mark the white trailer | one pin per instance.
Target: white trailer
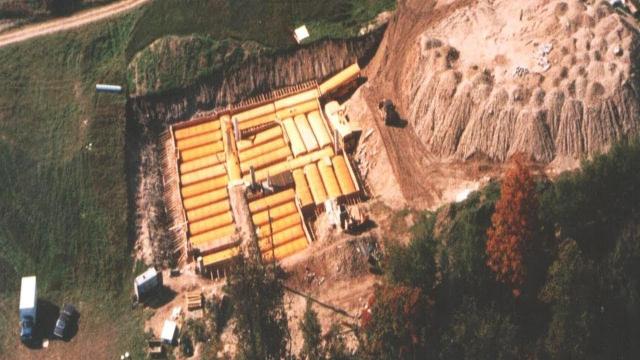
(28, 307)
(147, 282)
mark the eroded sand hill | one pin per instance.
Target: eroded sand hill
(548, 78)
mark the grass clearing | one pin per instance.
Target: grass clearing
(63, 195)
(268, 22)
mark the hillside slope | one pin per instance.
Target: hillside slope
(553, 79)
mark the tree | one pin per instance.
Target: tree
(311, 334)
(413, 264)
(513, 226)
(477, 332)
(571, 290)
(334, 345)
(395, 326)
(261, 322)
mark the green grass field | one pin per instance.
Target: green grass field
(63, 200)
(268, 22)
(63, 186)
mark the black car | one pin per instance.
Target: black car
(67, 315)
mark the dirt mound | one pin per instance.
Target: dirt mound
(552, 79)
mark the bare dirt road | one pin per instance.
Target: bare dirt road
(67, 23)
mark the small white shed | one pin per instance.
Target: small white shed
(169, 332)
(301, 33)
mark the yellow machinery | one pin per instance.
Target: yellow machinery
(204, 186)
(273, 214)
(271, 201)
(280, 238)
(189, 166)
(306, 132)
(210, 210)
(198, 140)
(302, 188)
(329, 178)
(297, 145)
(344, 77)
(206, 198)
(262, 149)
(212, 223)
(203, 174)
(211, 235)
(195, 130)
(260, 138)
(278, 225)
(315, 183)
(201, 151)
(347, 185)
(267, 159)
(319, 129)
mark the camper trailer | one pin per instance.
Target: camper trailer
(147, 283)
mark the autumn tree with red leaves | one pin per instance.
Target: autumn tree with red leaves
(513, 224)
(394, 325)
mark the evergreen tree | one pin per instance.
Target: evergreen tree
(311, 334)
(261, 322)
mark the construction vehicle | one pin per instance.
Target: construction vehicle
(389, 113)
(349, 218)
(156, 350)
(353, 218)
(28, 307)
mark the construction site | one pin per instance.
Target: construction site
(258, 173)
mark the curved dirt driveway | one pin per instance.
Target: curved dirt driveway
(67, 23)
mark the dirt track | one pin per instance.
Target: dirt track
(67, 23)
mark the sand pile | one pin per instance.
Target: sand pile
(492, 78)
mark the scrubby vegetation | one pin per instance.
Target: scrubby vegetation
(580, 296)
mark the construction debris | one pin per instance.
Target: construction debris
(194, 300)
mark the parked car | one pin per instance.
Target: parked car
(67, 316)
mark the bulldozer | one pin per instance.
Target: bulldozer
(389, 113)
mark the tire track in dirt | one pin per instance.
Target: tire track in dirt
(68, 23)
(408, 157)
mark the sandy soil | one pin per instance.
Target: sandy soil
(67, 23)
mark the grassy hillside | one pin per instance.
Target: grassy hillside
(63, 200)
(194, 46)
(268, 22)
